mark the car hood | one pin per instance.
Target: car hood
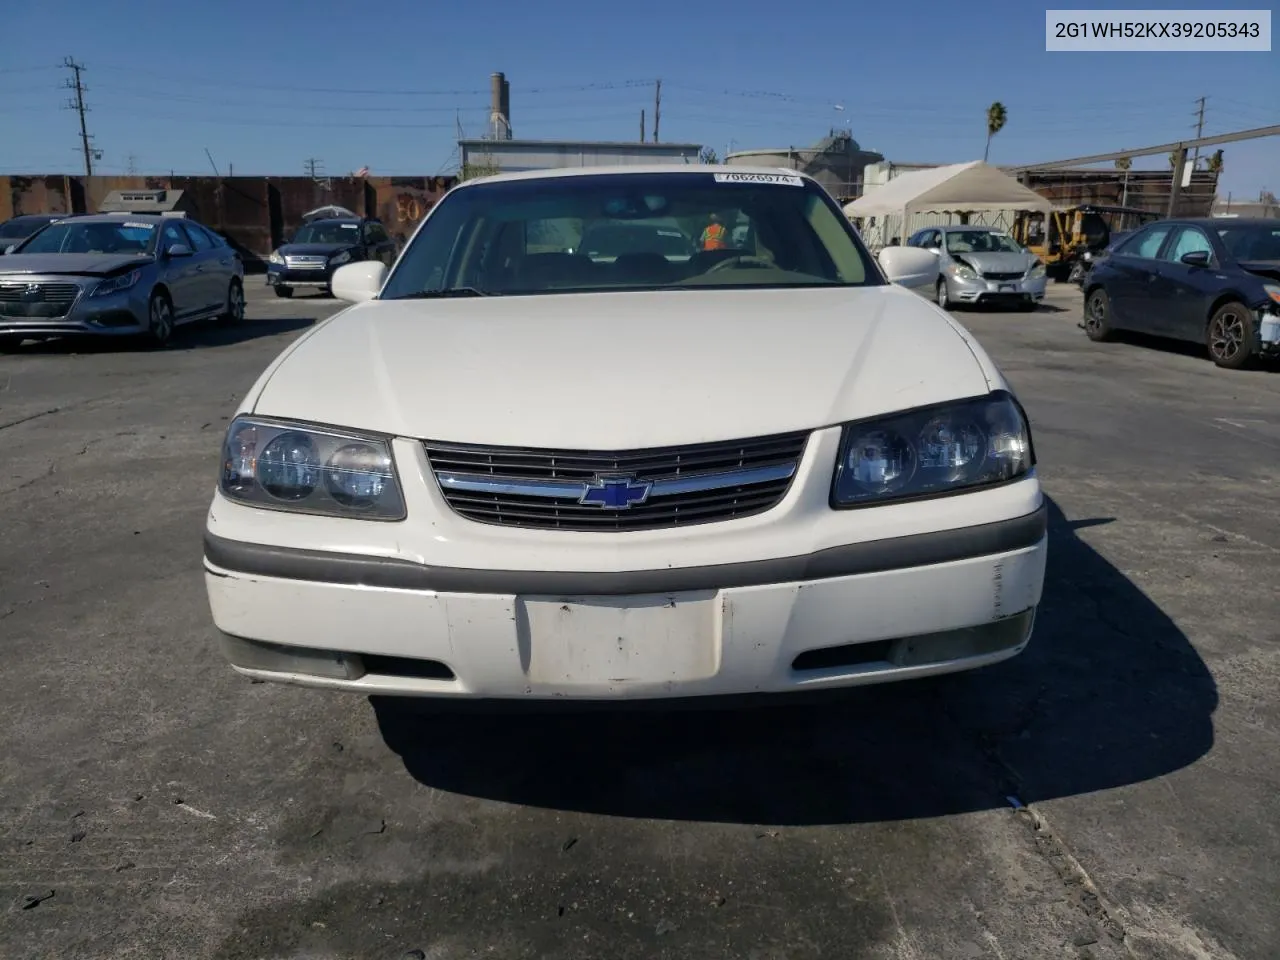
(1262, 268)
(313, 249)
(72, 264)
(997, 262)
(625, 370)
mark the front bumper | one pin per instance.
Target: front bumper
(280, 276)
(983, 290)
(116, 314)
(862, 613)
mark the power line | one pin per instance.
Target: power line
(74, 83)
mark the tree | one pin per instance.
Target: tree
(996, 119)
(1214, 163)
(1173, 159)
(1123, 164)
(708, 155)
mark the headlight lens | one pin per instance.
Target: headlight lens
(1272, 291)
(1037, 269)
(310, 470)
(116, 284)
(275, 257)
(342, 257)
(933, 451)
(962, 271)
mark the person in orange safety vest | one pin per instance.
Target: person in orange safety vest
(713, 238)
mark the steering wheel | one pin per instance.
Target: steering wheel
(737, 263)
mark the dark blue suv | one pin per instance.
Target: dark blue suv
(321, 246)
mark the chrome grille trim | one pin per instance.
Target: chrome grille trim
(1002, 276)
(51, 299)
(674, 486)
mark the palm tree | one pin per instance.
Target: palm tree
(708, 155)
(1214, 163)
(996, 117)
(1123, 164)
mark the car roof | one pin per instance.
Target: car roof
(312, 223)
(966, 227)
(645, 169)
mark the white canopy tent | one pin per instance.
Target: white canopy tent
(974, 187)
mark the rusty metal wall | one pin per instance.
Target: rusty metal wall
(255, 214)
(1146, 189)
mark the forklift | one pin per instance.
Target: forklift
(1061, 238)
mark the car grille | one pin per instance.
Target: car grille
(38, 300)
(305, 262)
(681, 486)
(1002, 276)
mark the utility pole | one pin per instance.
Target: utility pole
(642, 126)
(1195, 156)
(657, 108)
(132, 165)
(312, 166)
(73, 83)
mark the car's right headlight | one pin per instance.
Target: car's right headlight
(932, 452)
(1272, 291)
(275, 257)
(962, 271)
(305, 469)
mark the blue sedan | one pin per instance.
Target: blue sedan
(1211, 281)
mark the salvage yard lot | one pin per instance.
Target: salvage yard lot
(163, 806)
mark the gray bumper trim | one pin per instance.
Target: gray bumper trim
(920, 550)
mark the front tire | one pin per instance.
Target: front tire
(942, 295)
(1231, 336)
(159, 319)
(285, 292)
(1097, 316)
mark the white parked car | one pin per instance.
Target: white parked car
(514, 471)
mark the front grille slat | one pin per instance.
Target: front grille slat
(37, 299)
(660, 511)
(1002, 276)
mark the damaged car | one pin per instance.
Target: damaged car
(982, 266)
(1212, 281)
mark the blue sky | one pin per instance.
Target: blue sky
(264, 91)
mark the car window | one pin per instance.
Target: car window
(172, 233)
(1252, 242)
(199, 239)
(327, 232)
(635, 231)
(1188, 240)
(19, 228)
(78, 236)
(1145, 244)
(376, 234)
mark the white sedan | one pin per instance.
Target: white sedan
(513, 470)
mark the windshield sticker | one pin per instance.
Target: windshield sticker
(349, 226)
(782, 178)
(140, 226)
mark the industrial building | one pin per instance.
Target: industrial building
(500, 152)
(836, 161)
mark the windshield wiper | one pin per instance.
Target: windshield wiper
(442, 294)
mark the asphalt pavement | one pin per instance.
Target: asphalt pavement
(1113, 792)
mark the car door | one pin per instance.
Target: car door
(1185, 291)
(179, 274)
(210, 292)
(1134, 275)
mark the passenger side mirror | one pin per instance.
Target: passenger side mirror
(1196, 258)
(359, 281)
(176, 250)
(10, 248)
(910, 267)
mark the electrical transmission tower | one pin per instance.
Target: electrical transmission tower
(77, 104)
(1195, 158)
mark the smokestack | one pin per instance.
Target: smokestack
(496, 83)
(506, 105)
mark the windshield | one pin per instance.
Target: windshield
(981, 241)
(120, 236)
(1252, 242)
(326, 232)
(632, 231)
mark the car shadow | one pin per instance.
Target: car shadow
(186, 337)
(1109, 692)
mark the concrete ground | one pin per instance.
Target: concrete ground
(1111, 793)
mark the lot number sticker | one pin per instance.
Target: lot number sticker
(781, 178)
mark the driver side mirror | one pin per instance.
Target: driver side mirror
(910, 267)
(177, 250)
(359, 281)
(1196, 258)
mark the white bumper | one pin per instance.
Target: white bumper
(442, 606)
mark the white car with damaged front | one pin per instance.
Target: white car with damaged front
(511, 471)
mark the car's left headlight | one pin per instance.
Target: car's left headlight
(342, 257)
(1036, 271)
(933, 451)
(116, 284)
(305, 469)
